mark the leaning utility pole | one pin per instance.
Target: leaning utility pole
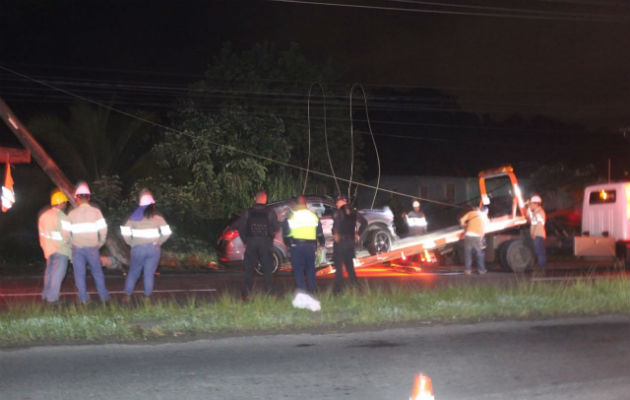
(117, 251)
(37, 151)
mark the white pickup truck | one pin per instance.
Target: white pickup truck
(605, 222)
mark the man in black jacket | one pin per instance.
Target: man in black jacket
(257, 227)
(346, 235)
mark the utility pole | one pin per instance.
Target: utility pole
(626, 134)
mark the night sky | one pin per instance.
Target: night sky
(566, 60)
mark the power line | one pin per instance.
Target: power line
(225, 146)
(542, 16)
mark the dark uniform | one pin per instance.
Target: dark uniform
(344, 230)
(257, 228)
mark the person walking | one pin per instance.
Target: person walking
(474, 223)
(86, 233)
(145, 231)
(257, 228)
(302, 233)
(416, 221)
(56, 250)
(346, 235)
(537, 218)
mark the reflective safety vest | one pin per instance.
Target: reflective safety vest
(303, 224)
(8, 198)
(87, 227)
(416, 220)
(537, 220)
(50, 226)
(148, 230)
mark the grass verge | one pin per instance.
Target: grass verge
(370, 307)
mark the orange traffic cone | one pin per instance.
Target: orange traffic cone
(422, 388)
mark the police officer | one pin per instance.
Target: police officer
(416, 221)
(302, 231)
(257, 227)
(346, 235)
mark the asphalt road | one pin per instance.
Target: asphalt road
(585, 358)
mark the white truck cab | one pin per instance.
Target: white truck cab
(605, 221)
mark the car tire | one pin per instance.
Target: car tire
(276, 256)
(378, 241)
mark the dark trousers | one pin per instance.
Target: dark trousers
(539, 249)
(343, 254)
(258, 250)
(303, 263)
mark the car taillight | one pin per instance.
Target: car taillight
(229, 235)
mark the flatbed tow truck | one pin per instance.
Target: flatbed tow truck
(503, 240)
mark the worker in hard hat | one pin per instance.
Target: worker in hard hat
(86, 233)
(537, 218)
(145, 231)
(475, 223)
(56, 250)
(416, 221)
(302, 232)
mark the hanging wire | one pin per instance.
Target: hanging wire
(367, 118)
(332, 169)
(215, 143)
(351, 143)
(308, 130)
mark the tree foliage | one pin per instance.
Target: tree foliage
(240, 128)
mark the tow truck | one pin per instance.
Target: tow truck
(504, 241)
(605, 229)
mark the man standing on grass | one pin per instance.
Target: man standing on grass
(56, 249)
(346, 236)
(87, 233)
(302, 233)
(257, 227)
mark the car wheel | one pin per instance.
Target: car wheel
(379, 241)
(276, 258)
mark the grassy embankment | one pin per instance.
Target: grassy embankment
(372, 307)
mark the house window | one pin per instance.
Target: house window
(449, 192)
(423, 192)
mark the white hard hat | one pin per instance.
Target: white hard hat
(416, 203)
(82, 188)
(146, 198)
(536, 199)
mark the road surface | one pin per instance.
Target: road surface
(572, 359)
